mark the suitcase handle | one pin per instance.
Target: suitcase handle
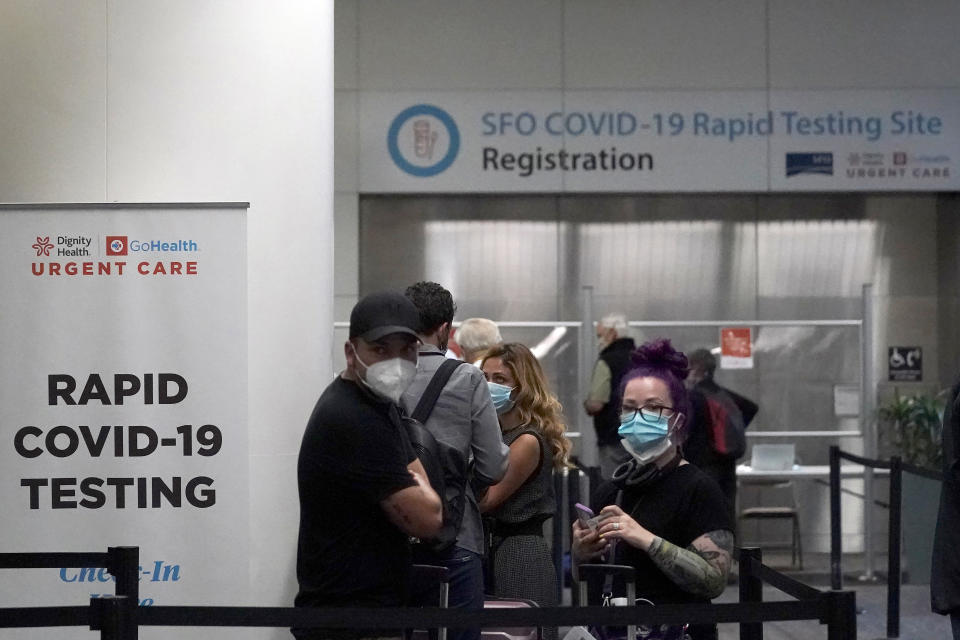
(430, 573)
(610, 571)
(616, 570)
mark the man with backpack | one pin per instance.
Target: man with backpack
(717, 431)
(452, 400)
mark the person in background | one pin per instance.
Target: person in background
(700, 448)
(464, 422)
(454, 352)
(668, 517)
(475, 336)
(602, 402)
(363, 492)
(703, 366)
(945, 576)
(531, 420)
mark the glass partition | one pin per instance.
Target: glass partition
(805, 376)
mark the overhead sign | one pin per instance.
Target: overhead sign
(123, 398)
(905, 364)
(635, 141)
(736, 348)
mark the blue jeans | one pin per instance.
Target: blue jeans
(465, 570)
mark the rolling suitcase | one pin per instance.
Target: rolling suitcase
(426, 577)
(508, 633)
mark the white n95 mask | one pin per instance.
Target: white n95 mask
(388, 378)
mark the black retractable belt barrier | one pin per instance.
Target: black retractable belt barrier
(400, 617)
(896, 467)
(118, 617)
(32, 617)
(52, 560)
(836, 550)
(122, 562)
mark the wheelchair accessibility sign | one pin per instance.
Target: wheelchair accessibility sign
(905, 364)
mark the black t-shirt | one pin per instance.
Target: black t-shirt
(678, 507)
(354, 454)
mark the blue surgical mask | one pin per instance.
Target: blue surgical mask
(641, 433)
(500, 393)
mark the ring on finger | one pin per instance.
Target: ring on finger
(616, 526)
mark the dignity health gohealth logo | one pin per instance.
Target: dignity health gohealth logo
(423, 140)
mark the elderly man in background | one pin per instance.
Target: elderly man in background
(476, 336)
(603, 401)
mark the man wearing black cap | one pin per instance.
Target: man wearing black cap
(363, 492)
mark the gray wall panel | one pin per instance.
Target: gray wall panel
(691, 257)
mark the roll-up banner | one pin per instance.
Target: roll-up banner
(674, 141)
(123, 398)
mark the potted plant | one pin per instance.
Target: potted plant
(910, 427)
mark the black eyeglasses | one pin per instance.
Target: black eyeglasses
(649, 413)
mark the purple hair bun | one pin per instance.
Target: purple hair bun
(660, 355)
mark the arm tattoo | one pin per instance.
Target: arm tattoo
(400, 514)
(724, 541)
(722, 538)
(697, 571)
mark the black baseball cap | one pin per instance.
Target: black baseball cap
(380, 314)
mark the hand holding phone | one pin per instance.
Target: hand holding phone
(584, 514)
(587, 518)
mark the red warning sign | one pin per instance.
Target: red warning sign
(736, 348)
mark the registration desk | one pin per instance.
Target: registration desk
(746, 473)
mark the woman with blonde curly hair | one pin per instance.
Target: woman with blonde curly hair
(531, 420)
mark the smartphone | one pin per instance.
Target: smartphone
(584, 513)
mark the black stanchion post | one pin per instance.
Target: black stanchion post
(124, 565)
(751, 590)
(893, 548)
(557, 527)
(573, 497)
(841, 615)
(596, 479)
(110, 616)
(836, 568)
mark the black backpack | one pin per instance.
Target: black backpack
(446, 467)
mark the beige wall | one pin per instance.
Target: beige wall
(199, 100)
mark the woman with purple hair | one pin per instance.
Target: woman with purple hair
(670, 518)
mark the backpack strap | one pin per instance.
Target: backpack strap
(432, 392)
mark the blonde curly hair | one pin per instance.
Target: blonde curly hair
(538, 407)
